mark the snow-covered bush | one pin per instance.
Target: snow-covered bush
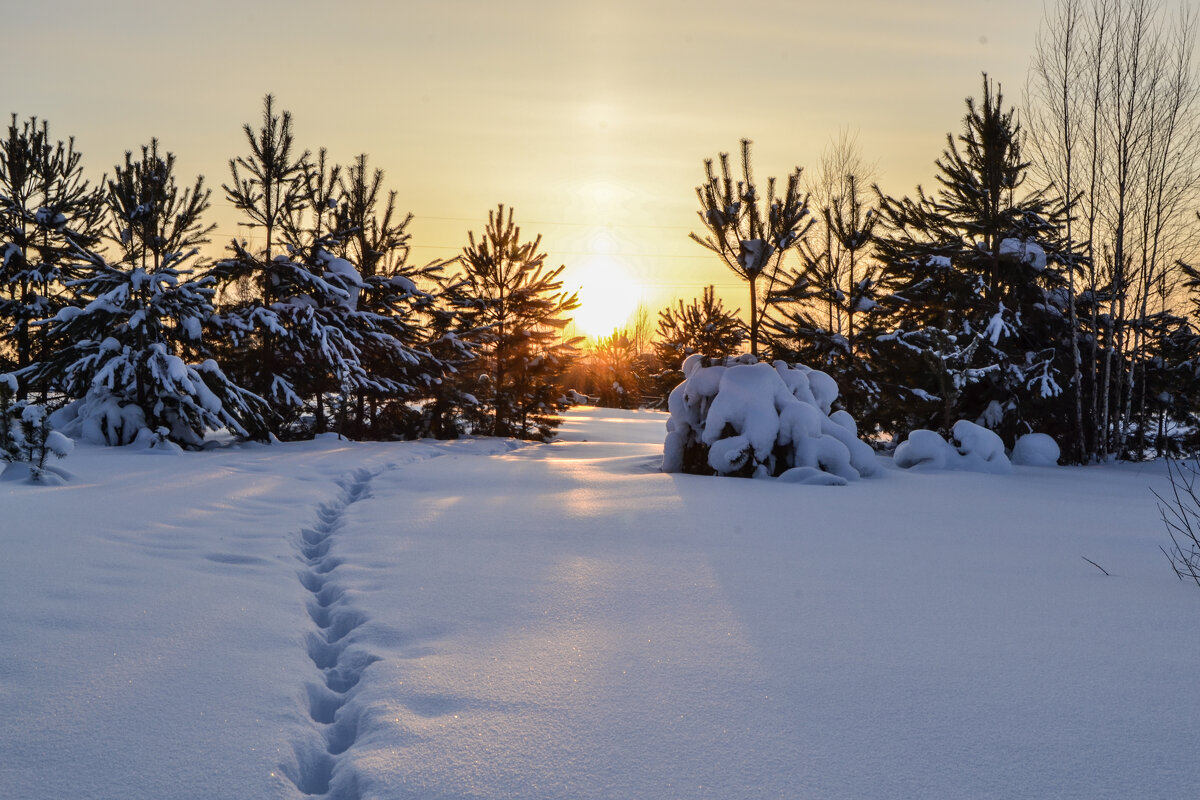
(1036, 450)
(974, 448)
(744, 418)
(27, 439)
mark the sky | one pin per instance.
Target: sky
(591, 119)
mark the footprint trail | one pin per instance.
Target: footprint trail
(331, 648)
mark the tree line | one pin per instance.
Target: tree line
(114, 321)
(1044, 284)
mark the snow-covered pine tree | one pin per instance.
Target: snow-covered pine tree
(44, 205)
(399, 299)
(1170, 423)
(453, 333)
(972, 322)
(519, 311)
(122, 349)
(1173, 379)
(267, 186)
(9, 413)
(306, 328)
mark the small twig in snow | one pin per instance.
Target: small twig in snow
(1094, 564)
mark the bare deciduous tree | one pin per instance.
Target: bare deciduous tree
(1114, 98)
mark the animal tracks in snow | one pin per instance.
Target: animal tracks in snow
(334, 643)
(331, 647)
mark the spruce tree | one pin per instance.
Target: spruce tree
(972, 300)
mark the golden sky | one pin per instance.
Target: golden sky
(591, 119)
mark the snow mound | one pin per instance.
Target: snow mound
(924, 450)
(24, 472)
(741, 417)
(1036, 450)
(974, 449)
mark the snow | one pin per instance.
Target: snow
(58, 444)
(981, 449)
(486, 620)
(1035, 450)
(1030, 253)
(754, 254)
(345, 275)
(924, 450)
(760, 420)
(192, 328)
(975, 449)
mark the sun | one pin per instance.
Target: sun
(608, 296)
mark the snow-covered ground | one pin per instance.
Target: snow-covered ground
(476, 619)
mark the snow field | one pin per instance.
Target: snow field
(465, 619)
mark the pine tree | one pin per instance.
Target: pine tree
(318, 334)
(122, 349)
(750, 234)
(267, 186)
(26, 437)
(817, 321)
(401, 299)
(617, 374)
(45, 205)
(454, 335)
(972, 323)
(518, 307)
(702, 326)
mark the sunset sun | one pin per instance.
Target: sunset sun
(607, 297)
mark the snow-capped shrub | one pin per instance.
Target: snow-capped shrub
(27, 439)
(186, 400)
(974, 448)
(1036, 450)
(982, 450)
(100, 418)
(741, 417)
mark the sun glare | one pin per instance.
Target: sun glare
(608, 296)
